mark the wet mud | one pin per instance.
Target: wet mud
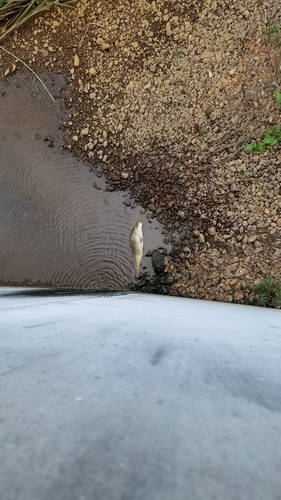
(59, 225)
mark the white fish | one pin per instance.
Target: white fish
(136, 243)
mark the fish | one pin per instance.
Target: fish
(136, 244)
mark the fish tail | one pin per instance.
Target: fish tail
(137, 262)
(137, 272)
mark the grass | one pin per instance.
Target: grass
(278, 98)
(15, 13)
(268, 293)
(273, 31)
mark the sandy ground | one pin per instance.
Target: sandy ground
(161, 97)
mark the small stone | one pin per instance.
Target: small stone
(277, 253)
(124, 175)
(84, 131)
(135, 45)
(278, 222)
(252, 238)
(181, 214)
(169, 280)
(201, 238)
(233, 188)
(75, 138)
(211, 231)
(151, 207)
(99, 41)
(76, 60)
(92, 71)
(105, 46)
(207, 54)
(240, 272)
(168, 29)
(159, 261)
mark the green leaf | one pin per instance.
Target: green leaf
(249, 147)
(278, 97)
(270, 141)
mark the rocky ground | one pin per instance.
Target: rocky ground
(162, 97)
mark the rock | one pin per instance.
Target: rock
(169, 280)
(84, 131)
(124, 175)
(277, 253)
(181, 214)
(207, 54)
(92, 71)
(168, 29)
(151, 207)
(240, 272)
(76, 60)
(252, 238)
(75, 138)
(159, 261)
(211, 231)
(201, 238)
(105, 46)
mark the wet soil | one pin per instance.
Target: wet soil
(59, 226)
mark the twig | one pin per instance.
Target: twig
(30, 69)
(83, 37)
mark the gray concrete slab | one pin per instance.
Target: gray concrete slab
(138, 397)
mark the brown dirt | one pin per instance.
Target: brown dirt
(163, 95)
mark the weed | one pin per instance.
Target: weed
(270, 137)
(177, 52)
(273, 31)
(278, 98)
(268, 293)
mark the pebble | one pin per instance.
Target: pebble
(76, 60)
(151, 207)
(252, 238)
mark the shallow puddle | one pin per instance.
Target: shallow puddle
(59, 226)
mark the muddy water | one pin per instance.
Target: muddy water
(59, 226)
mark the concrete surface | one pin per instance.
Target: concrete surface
(138, 397)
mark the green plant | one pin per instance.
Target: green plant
(278, 98)
(268, 293)
(273, 31)
(14, 13)
(270, 137)
(177, 52)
